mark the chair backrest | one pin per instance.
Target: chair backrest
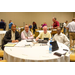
(3, 60)
(1, 29)
(1, 53)
(36, 34)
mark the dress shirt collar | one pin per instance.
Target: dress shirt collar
(59, 34)
(27, 32)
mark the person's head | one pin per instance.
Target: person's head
(34, 23)
(66, 22)
(73, 19)
(29, 24)
(44, 22)
(58, 30)
(10, 21)
(53, 19)
(13, 27)
(1, 19)
(26, 28)
(45, 29)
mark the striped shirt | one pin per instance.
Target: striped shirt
(71, 26)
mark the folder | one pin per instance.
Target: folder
(9, 45)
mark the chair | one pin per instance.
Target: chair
(36, 30)
(62, 30)
(1, 54)
(21, 30)
(53, 32)
(36, 34)
(32, 31)
(1, 29)
(3, 60)
(72, 57)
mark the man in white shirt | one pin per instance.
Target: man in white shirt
(71, 28)
(60, 37)
(26, 34)
(64, 26)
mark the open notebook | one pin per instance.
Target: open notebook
(10, 45)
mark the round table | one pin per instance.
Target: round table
(2, 33)
(34, 53)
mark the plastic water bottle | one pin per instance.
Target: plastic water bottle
(50, 48)
(51, 40)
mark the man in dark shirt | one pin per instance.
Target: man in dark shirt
(55, 23)
(2, 24)
(34, 27)
(11, 36)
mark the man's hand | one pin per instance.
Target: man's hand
(16, 40)
(37, 38)
(13, 41)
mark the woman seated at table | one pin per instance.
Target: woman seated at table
(44, 34)
(26, 34)
(11, 36)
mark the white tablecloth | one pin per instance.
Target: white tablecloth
(35, 53)
(42, 31)
(2, 33)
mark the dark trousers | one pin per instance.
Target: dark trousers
(33, 31)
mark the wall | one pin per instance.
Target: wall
(21, 18)
(74, 14)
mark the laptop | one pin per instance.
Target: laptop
(43, 41)
(46, 39)
(54, 46)
(29, 40)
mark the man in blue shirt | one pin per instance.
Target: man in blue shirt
(10, 24)
(30, 26)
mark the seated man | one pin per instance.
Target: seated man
(26, 34)
(44, 34)
(60, 37)
(11, 36)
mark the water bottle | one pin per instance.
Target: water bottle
(51, 40)
(50, 48)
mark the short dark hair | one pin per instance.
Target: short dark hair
(13, 24)
(1, 19)
(73, 19)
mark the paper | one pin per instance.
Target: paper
(61, 52)
(10, 45)
(23, 43)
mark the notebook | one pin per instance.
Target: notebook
(9, 45)
(59, 52)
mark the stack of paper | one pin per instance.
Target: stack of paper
(9, 45)
(23, 43)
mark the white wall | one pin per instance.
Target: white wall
(39, 17)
